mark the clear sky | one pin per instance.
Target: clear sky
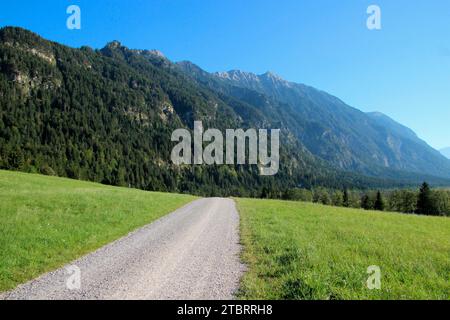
(402, 70)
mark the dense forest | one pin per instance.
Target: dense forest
(107, 116)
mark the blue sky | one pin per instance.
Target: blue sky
(402, 70)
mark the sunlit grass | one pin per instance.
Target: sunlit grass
(305, 251)
(46, 222)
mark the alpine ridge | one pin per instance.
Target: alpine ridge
(347, 138)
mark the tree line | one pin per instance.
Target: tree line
(424, 201)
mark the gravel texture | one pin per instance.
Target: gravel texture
(192, 253)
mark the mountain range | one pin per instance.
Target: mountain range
(370, 143)
(107, 115)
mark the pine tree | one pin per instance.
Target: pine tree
(425, 203)
(379, 202)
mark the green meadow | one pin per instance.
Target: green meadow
(293, 250)
(297, 250)
(46, 222)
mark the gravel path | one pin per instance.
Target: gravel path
(192, 253)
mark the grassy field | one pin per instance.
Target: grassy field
(307, 251)
(46, 222)
(293, 250)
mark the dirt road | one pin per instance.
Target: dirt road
(192, 253)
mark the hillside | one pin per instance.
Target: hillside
(349, 139)
(107, 116)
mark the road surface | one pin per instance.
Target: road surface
(192, 253)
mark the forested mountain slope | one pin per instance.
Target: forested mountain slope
(107, 116)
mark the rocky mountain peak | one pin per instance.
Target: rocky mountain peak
(155, 53)
(114, 44)
(238, 75)
(272, 75)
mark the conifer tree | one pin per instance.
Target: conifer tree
(379, 202)
(425, 203)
